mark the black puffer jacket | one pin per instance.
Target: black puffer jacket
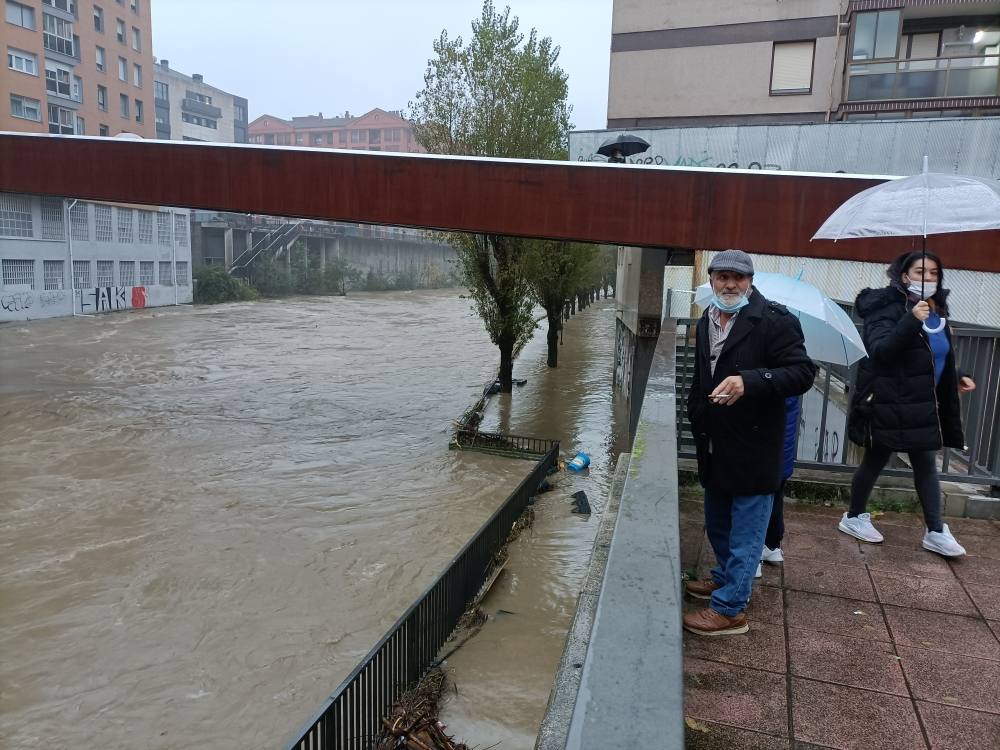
(895, 404)
(764, 346)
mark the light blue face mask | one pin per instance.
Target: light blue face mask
(730, 308)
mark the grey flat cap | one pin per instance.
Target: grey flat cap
(736, 261)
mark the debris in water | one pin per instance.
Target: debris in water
(580, 462)
(580, 503)
(413, 723)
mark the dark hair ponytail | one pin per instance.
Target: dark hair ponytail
(905, 262)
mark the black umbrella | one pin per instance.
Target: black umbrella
(622, 145)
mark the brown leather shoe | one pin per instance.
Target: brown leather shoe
(710, 622)
(701, 589)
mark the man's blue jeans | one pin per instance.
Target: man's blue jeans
(736, 525)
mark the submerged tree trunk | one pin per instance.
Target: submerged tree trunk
(506, 374)
(552, 336)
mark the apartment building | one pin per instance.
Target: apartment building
(377, 130)
(77, 68)
(188, 109)
(693, 63)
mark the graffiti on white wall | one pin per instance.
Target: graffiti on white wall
(17, 301)
(112, 298)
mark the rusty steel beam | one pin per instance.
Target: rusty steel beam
(645, 206)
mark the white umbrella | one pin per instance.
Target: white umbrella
(927, 203)
(830, 334)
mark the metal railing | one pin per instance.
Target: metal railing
(923, 78)
(503, 444)
(280, 235)
(352, 717)
(822, 441)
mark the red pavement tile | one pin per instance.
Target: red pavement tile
(828, 614)
(987, 598)
(830, 547)
(995, 627)
(922, 593)
(854, 662)
(737, 696)
(891, 518)
(707, 735)
(848, 581)
(980, 545)
(936, 631)
(899, 536)
(976, 569)
(914, 562)
(766, 605)
(771, 575)
(844, 717)
(950, 728)
(954, 680)
(807, 523)
(761, 648)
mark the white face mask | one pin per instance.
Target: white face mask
(924, 290)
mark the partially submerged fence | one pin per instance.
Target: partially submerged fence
(353, 715)
(502, 444)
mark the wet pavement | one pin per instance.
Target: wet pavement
(853, 645)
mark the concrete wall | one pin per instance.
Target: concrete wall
(47, 240)
(645, 15)
(390, 258)
(179, 84)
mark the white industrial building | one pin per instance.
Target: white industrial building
(69, 257)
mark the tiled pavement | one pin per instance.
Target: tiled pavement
(853, 645)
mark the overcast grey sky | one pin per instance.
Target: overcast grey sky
(298, 57)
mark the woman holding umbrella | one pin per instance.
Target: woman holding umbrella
(906, 398)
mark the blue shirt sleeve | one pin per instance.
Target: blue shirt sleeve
(939, 345)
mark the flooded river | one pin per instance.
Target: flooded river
(211, 514)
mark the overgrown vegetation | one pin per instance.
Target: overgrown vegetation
(213, 285)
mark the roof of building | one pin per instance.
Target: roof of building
(318, 121)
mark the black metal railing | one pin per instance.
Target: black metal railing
(503, 444)
(352, 717)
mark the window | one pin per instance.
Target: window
(160, 90)
(22, 62)
(20, 15)
(52, 219)
(77, 88)
(120, 30)
(122, 69)
(79, 222)
(102, 99)
(146, 273)
(203, 98)
(126, 273)
(343, 136)
(98, 19)
(136, 39)
(67, 6)
(81, 274)
(81, 126)
(102, 61)
(182, 273)
(57, 34)
(57, 79)
(375, 136)
(329, 139)
(15, 216)
(53, 274)
(166, 275)
(135, 6)
(104, 130)
(317, 139)
(146, 227)
(876, 34)
(137, 74)
(138, 111)
(61, 120)
(123, 108)
(105, 273)
(102, 222)
(125, 225)
(240, 113)
(180, 229)
(204, 122)
(393, 135)
(25, 108)
(163, 228)
(19, 273)
(792, 67)
(356, 136)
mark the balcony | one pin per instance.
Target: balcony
(924, 78)
(200, 108)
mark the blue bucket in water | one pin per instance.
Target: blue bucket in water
(580, 462)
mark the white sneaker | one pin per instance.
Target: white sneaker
(943, 543)
(759, 573)
(860, 528)
(772, 555)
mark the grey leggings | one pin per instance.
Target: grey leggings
(925, 478)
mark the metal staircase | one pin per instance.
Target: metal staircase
(277, 238)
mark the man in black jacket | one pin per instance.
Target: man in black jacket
(750, 356)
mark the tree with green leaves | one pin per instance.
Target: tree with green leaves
(556, 271)
(501, 95)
